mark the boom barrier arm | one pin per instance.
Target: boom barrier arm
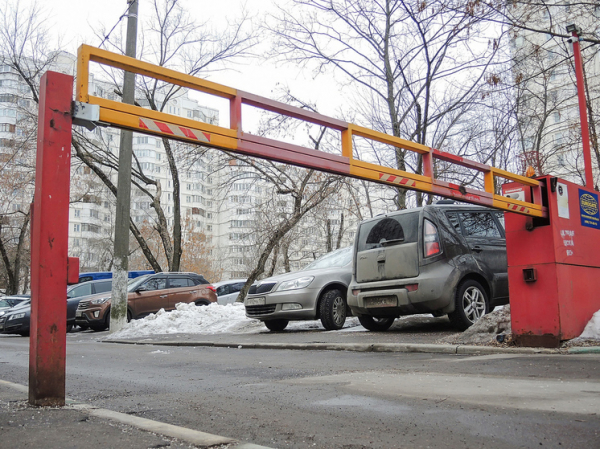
(142, 120)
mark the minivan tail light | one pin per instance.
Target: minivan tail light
(431, 239)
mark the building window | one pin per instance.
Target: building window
(8, 113)
(76, 228)
(86, 227)
(556, 117)
(77, 213)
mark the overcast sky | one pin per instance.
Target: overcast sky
(75, 20)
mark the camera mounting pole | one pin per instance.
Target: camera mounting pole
(585, 130)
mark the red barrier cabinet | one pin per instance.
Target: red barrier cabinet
(553, 264)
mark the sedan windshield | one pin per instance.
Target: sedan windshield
(335, 259)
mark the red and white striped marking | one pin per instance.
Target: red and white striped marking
(174, 130)
(516, 208)
(397, 180)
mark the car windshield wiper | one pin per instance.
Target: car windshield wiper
(391, 242)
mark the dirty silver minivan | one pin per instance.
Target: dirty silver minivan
(443, 258)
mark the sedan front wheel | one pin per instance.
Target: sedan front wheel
(333, 310)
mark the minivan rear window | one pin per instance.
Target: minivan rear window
(390, 230)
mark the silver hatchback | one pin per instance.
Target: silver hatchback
(316, 292)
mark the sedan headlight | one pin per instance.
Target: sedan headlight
(2, 312)
(100, 300)
(16, 316)
(295, 284)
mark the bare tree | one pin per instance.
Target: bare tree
(524, 15)
(542, 79)
(410, 63)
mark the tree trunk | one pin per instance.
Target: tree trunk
(340, 232)
(273, 261)
(329, 243)
(175, 261)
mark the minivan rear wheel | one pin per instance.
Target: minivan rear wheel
(333, 310)
(375, 324)
(276, 325)
(471, 303)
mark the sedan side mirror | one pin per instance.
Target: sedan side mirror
(141, 289)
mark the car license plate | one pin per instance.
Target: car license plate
(260, 301)
(78, 313)
(381, 301)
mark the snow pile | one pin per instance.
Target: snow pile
(191, 319)
(485, 330)
(592, 329)
(207, 320)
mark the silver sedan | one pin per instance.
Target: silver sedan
(316, 292)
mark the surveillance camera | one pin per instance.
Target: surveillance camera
(573, 29)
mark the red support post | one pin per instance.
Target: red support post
(50, 237)
(585, 130)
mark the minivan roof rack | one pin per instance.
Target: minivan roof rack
(445, 202)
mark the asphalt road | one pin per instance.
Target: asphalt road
(328, 399)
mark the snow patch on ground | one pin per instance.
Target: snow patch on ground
(485, 330)
(592, 329)
(207, 320)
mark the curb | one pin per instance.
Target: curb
(195, 437)
(584, 350)
(365, 347)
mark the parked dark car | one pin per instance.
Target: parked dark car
(6, 302)
(16, 319)
(147, 294)
(443, 258)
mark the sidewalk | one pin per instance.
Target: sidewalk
(79, 425)
(342, 341)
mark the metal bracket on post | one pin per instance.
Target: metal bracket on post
(86, 115)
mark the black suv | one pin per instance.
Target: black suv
(443, 258)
